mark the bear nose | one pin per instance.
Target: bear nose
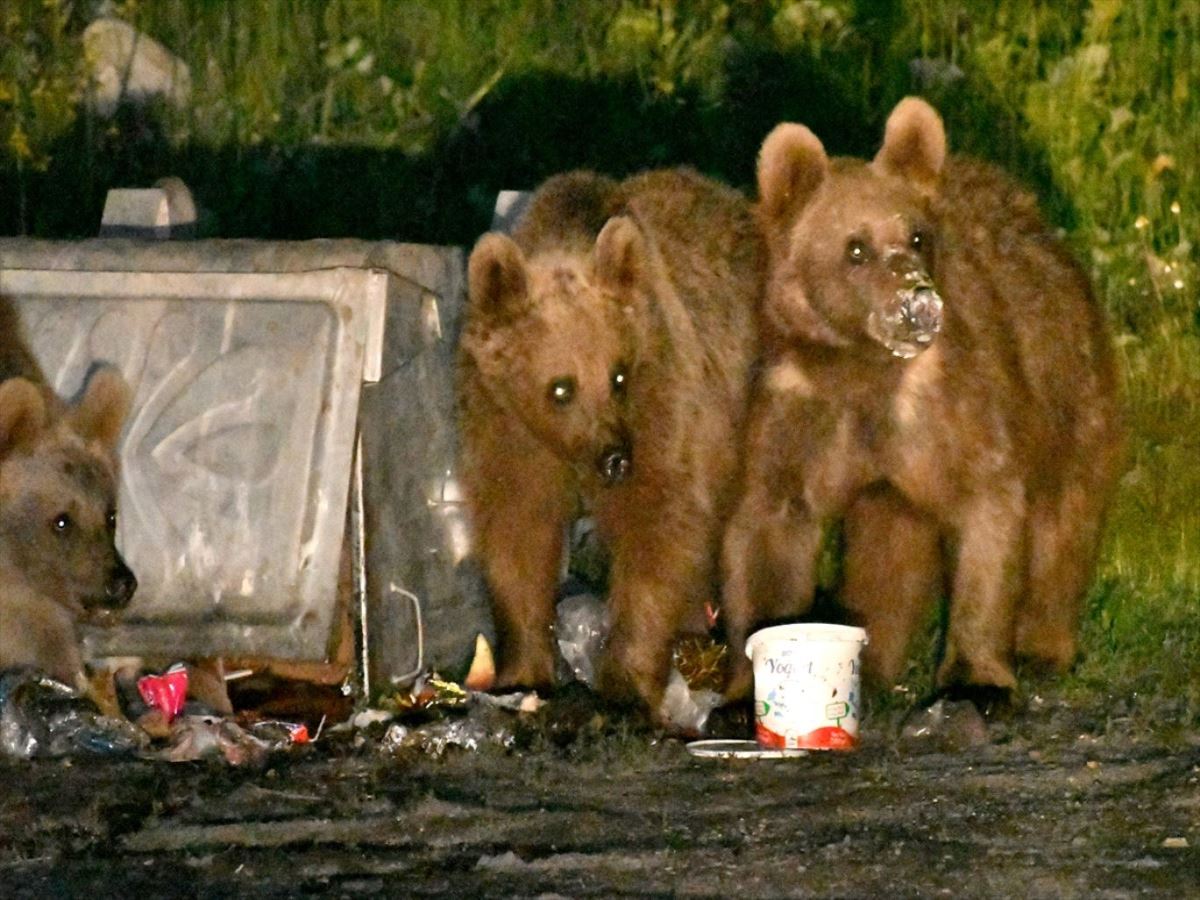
(922, 311)
(122, 584)
(615, 463)
(905, 264)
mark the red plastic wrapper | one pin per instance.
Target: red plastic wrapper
(293, 732)
(167, 691)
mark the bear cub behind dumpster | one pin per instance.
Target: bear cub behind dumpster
(604, 367)
(939, 376)
(58, 488)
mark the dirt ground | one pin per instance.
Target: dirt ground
(1059, 801)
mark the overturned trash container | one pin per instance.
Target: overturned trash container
(288, 486)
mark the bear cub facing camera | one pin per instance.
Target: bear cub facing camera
(939, 378)
(603, 367)
(58, 488)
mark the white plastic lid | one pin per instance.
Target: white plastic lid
(806, 631)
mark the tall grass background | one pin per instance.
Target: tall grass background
(402, 118)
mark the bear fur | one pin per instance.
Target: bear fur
(604, 368)
(58, 488)
(16, 359)
(939, 377)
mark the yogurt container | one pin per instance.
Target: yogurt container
(807, 686)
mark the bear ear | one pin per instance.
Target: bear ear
(621, 257)
(496, 277)
(100, 415)
(914, 144)
(22, 413)
(791, 166)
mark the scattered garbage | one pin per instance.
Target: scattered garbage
(279, 733)
(436, 714)
(687, 710)
(693, 690)
(152, 717)
(428, 693)
(165, 692)
(580, 628)
(42, 717)
(467, 733)
(152, 700)
(945, 726)
(209, 737)
(701, 662)
(196, 711)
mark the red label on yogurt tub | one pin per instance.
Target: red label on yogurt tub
(829, 738)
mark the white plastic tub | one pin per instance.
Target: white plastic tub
(806, 686)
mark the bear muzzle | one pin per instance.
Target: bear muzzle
(615, 463)
(120, 587)
(909, 323)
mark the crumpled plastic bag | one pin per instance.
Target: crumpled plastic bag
(211, 737)
(581, 628)
(434, 738)
(687, 710)
(42, 717)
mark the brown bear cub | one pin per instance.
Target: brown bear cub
(604, 366)
(939, 377)
(58, 488)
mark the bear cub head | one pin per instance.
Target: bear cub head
(556, 339)
(58, 494)
(854, 243)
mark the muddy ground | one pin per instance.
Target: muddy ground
(1062, 800)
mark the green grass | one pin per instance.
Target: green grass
(414, 112)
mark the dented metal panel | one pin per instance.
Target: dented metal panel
(425, 601)
(237, 455)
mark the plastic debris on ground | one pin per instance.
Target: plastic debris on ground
(684, 709)
(693, 690)
(467, 733)
(187, 711)
(436, 714)
(278, 732)
(209, 737)
(155, 700)
(165, 692)
(152, 717)
(580, 628)
(42, 717)
(945, 726)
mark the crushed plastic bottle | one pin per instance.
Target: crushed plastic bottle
(580, 629)
(910, 323)
(42, 717)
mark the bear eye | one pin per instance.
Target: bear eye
(61, 523)
(562, 391)
(857, 252)
(920, 241)
(110, 519)
(620, 380)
